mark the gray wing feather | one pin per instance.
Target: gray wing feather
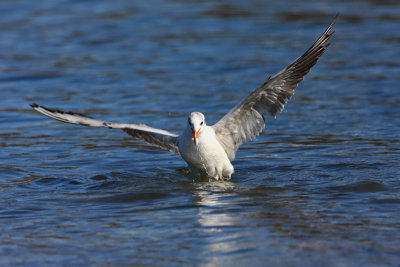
(161, 138)
(246, 121)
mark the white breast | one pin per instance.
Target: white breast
(208, 157)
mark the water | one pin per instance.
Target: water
(320, 186)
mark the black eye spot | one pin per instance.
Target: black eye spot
(190, 124)
(201, 123)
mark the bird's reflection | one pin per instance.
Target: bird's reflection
(215, 200)
(220, 219)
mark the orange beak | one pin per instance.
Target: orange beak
(195, 135)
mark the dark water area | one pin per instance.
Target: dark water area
(319, 187)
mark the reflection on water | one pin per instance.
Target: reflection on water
(319, 187)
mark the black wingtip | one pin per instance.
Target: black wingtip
(333, 23)
(34, 105)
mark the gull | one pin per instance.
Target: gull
(209, 150)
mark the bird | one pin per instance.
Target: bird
(210, 149)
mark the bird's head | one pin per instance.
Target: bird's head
(196, 122)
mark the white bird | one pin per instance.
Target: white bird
(209, 150)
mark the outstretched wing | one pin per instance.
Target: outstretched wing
(246, 121)
(161, 138)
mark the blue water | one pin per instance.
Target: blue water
(320, 186)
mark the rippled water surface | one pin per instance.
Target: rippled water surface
(320, 186)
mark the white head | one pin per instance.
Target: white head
(196, 122)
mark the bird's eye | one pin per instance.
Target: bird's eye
(190, 124)
(201, 123)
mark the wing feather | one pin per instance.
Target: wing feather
(246, 121)
(161, 138)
